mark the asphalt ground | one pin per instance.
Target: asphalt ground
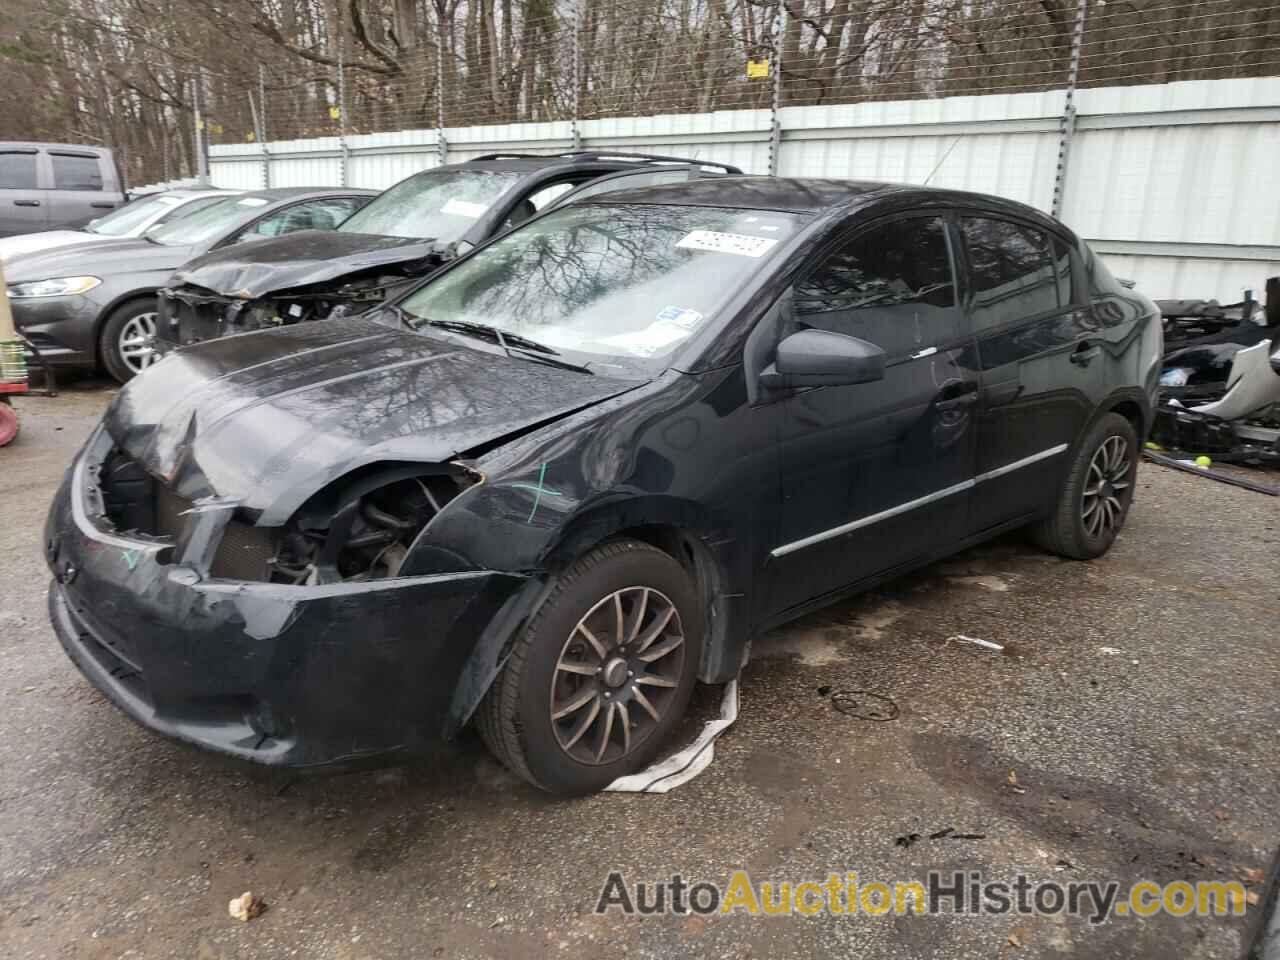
(1126, 731)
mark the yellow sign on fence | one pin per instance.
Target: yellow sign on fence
(757, 69)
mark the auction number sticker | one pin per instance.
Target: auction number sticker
(741, 244)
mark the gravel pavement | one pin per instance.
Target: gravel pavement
(1125, 732)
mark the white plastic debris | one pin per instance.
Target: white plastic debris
(246, 906)
(1109, 651)
(681, 767)
(976, 641)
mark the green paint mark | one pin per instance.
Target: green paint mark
(537, 497)
(130, 557)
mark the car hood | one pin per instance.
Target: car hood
(296, 260)
(101, 258)
(269, 418)
(46, 240)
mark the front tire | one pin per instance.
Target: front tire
(602, 674)
(126, 344)
(1095, 500)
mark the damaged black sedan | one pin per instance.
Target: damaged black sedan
(579, 469)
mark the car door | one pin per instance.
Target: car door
(877, 475)
(23, 207)
(78, 191)
(1039, 358)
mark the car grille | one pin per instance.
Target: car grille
(244, 551)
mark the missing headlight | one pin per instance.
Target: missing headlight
(369, 534)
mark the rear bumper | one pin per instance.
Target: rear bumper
(276, 674)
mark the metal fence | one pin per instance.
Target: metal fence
(511, 61)
(1149, 125)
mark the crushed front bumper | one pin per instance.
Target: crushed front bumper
(277, 674)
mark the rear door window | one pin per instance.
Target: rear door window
(75, 172)
(18, 171)
(1011, 272)
(892, 285)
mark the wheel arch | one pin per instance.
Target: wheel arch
(684, 531)
(677, 528)
(1130, 403)
(121, 300)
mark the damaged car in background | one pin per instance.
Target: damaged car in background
(94, 303)
(1220, 386)
(405, 234)
(580, 468)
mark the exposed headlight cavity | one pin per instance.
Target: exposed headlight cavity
(363, 533)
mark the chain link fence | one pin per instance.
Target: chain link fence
(517, 61)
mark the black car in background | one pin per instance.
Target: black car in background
(403, 235)
(580, 468)
(95, 303)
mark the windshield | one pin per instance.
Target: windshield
(207, 224)
(133, 216)
(618, 287)
(436, 205)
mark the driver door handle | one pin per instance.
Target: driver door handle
(26, 203)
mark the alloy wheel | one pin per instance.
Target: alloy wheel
(137, 342)
(616, 675)
(1106, 485)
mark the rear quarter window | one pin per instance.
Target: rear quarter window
(72, 172)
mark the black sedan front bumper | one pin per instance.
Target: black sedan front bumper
(283, 675)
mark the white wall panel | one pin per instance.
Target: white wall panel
(1177, 183)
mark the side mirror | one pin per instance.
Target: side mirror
(816, 358)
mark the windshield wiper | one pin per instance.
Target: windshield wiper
(512, 343)
(501, 337)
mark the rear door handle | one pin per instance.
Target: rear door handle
(26, 203)
(1086, 353)
(953, 403)
(103, 205)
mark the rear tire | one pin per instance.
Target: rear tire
(1094, 501)
(121, 343)
(583, 699)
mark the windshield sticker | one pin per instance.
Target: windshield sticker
(464, 208)
(736, 243)
(252, 202)
(682, 317)
(650, 340)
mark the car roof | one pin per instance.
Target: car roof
(812, 196)
(575, 159)
(43, 145)
(275, 194)
(189, 193)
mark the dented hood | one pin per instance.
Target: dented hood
(256, 269)
(269, 418)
